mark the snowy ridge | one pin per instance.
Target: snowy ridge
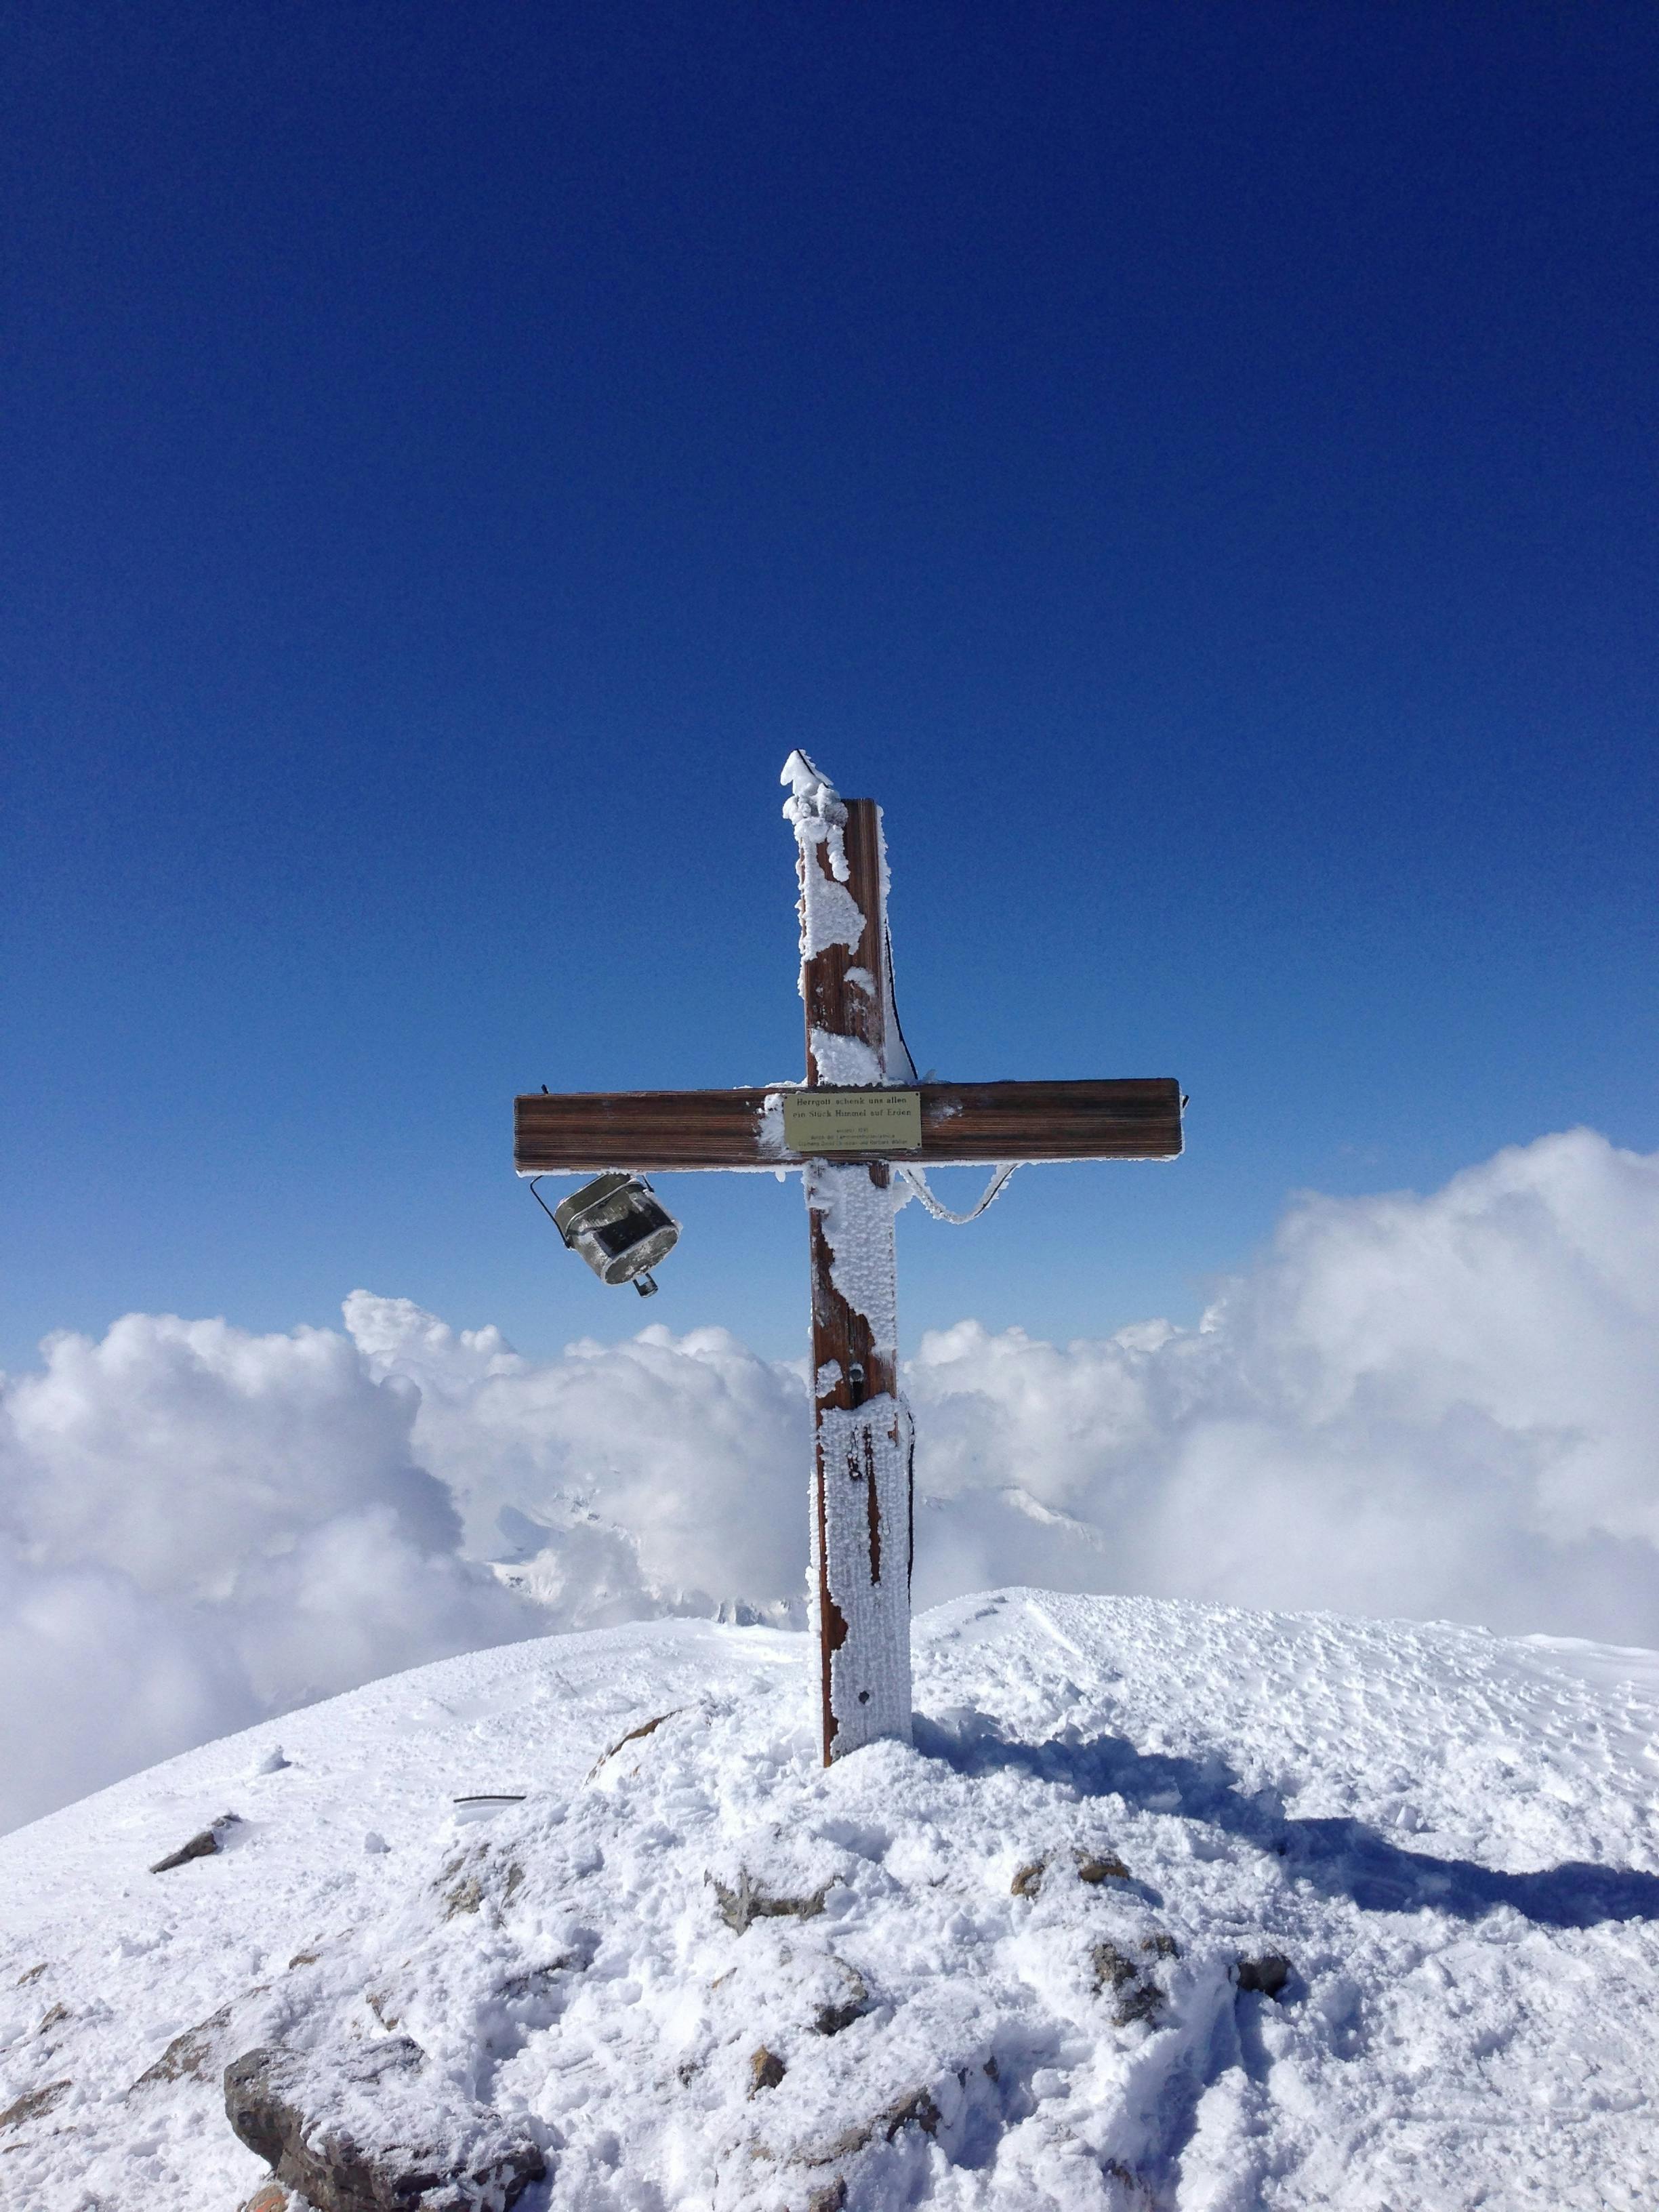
(1026, 1963)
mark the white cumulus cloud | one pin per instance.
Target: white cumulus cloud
(198, 1526)
(1439, 1406)
(673, 1465)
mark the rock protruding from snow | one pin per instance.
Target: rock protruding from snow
(202, 1846)
(742, 1903)
(1128, 1978)
(1267, 1976)
(371, 2127)
(34, 2104)
(766, 2070)
(187, 2055)
(271, 2197)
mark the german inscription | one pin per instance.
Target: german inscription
(816, 1122)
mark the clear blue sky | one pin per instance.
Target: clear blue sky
(1194, 465)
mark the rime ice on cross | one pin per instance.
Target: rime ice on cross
(861, 1110)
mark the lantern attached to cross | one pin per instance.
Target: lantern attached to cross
(861, 1125)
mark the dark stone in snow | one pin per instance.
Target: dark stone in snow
(1267, 1974)
(33, 2105)
(633, 1736)
(833, 2015)
(831, 2019)
(745, 1903)
(766, 2070)
(199, 1847)
(917, 2110)
(370, 2128)
(202, 1846)
(1138, 1997)
(1100, 1865)
(187, 2054)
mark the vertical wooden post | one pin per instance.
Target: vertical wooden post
(862, 1521)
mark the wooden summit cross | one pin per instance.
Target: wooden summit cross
(861, 1112)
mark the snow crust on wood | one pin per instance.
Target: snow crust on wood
(866, 1458)
(859, 1574)
(846, 1059)
(1447, 1839)
(861, 1540)
(829, 915)
(772, 1143)
(812, 799)
(857, 1214)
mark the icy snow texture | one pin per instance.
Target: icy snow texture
(857, 1215)
(866, 1451)
(829, 912)
(810, 792)
(833, 917)
(772, 1142)
(1426, 1823)
(916, 1181)
(1445, 1405)
(846, 1059)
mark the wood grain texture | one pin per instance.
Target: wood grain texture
(832, 1005)
(967, 1122)
(861, 1482)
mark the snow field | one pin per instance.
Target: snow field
(999, 1969)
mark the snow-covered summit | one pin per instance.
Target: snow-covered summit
(1169, 1906)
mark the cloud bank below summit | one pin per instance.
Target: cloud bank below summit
(1441, 1407)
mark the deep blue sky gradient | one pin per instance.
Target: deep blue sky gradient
(1196, 465)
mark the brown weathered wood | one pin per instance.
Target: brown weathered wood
(833, 1004)
(850, 1366)
(861, 1509)
(861, 1436)
(966, 1122)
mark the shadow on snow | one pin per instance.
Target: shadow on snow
(1342, 1858)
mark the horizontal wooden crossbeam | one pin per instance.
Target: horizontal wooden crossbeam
(966, 1122)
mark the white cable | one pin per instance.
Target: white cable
(918, 1183)
(914, 1176)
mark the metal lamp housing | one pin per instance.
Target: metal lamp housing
(619, 1228)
